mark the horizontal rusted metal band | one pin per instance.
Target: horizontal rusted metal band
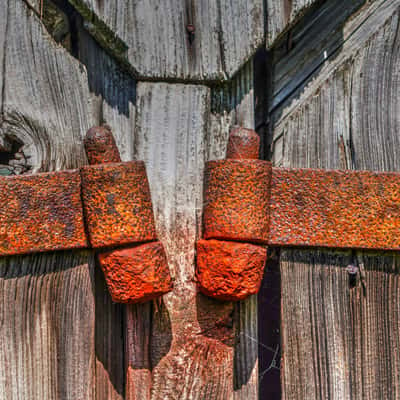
(41, 212)
(44, 212)
(301, 207)
(341, 209)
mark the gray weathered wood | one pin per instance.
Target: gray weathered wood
(191, 352)
(281, 14)
(40, 111)
(47, 326)
(339, 341)
(226, 35)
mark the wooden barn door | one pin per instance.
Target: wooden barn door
(61, 337)
(335, 105)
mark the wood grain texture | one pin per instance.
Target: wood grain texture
(337, 109)
(226, 35)
(281, 14)
(339, 343)
(39, 111)
(47, 326)
(192, 338)
(339, 339)
(315, 38)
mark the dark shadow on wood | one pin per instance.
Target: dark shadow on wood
(160, 344)
(38, 264)
(109, 341)
(302, 52)
(215, 319)
(269, 319)
(107, 79)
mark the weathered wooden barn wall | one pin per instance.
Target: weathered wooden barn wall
(339, 341)
(68, 340)
(170, 93)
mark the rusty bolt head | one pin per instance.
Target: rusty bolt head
(100, 146)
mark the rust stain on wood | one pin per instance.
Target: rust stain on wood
(40, 213)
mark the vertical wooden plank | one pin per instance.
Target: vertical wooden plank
(47, 326)
(191, 342)
(338, 337)
(47, 309)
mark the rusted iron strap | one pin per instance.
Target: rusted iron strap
(341, 209)
(41, 212)
(301, 207)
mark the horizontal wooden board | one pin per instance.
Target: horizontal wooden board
(225, 35)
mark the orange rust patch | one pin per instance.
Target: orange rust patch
(356, 209)
(117, 204)
(243, 144)
(236, 200)
(41, 212)
(136, 274)
(229, 270)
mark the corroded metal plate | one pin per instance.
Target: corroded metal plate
(117, 204)
(352, 209)
(41, 212)
(236, 200)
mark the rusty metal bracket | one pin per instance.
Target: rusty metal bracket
(247, 200)
(109, 201)
(118, 210)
